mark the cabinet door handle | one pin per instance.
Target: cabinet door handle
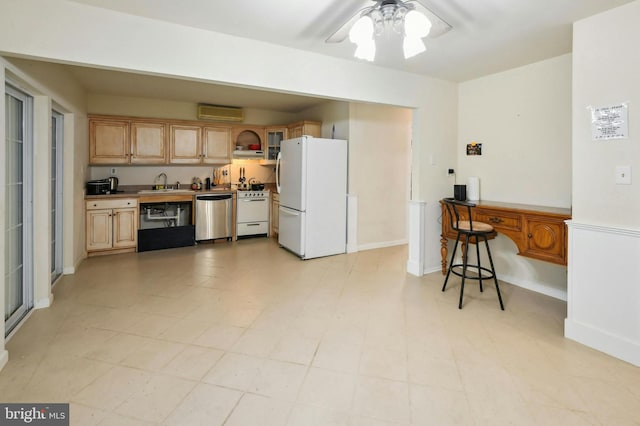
(530, 235)
(495, 220)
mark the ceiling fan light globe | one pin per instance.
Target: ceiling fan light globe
(412, 46)
(378, 21)
(362, 30)
(366, 50)
(398, 19)
(416, 24)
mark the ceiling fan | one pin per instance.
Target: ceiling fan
(406, 17)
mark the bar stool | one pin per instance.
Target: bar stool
(473, 232)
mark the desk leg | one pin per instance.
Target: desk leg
(443, 253)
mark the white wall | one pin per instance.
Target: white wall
(98, 103)
(604, 239)
(380, 172)
(522, 117)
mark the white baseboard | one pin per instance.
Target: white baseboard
(538, 287)
(69, 270)
(44, 302)
(4, 358)
(608, 343)
(382, 244)
(415, 268)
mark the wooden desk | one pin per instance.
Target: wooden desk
(539, 232)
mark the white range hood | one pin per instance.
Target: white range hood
(248, 154)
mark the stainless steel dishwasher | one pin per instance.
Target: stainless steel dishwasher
(214, 216)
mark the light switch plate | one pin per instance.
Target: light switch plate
(623, 175)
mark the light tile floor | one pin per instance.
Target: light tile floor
(247, 334)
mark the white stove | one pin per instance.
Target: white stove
(252, 213)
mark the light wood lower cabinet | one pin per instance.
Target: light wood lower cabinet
(111, 226)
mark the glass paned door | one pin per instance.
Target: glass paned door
(274, 140)
(56, 194)
(17, 233)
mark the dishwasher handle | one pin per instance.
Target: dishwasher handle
(213, 197)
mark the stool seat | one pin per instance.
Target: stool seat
(470, 232)
(466, 225)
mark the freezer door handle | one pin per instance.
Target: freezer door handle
(288, 212)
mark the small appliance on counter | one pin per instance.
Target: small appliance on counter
(98, 187)
(113, 184)
(460, 192)
(102, 186)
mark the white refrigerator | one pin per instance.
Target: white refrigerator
(311, 177)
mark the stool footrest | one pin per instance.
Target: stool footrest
(474, 268)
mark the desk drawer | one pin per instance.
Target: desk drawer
(499, 220)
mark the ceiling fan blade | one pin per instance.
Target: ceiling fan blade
(343, 32)
(438, 25)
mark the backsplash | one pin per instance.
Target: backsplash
(146, 175)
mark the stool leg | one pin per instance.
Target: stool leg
(453, 256)
(479, 266)
(493, 270)
(464, 270)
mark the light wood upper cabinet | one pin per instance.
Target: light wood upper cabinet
(275, 136)
(199, 145)
(108, 142)
(185, 144)
(216, 142)
(136, 140)
(148, 143)
(119, 141)
(304, 128)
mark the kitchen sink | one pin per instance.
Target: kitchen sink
(166, 191)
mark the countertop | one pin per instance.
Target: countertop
(132, 191)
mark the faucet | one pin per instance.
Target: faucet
(164, 175)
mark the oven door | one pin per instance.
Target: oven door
(252, 210)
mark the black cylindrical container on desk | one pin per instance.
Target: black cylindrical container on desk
(207, 183)
(460, 192)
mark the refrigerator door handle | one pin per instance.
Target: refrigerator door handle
(278, 158)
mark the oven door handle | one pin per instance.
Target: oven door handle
(244, 200)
